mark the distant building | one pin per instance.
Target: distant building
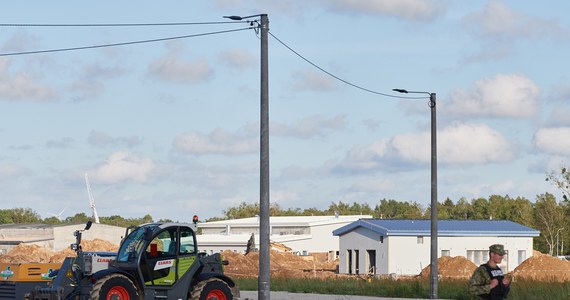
(303, 234)
(402, 247)
(54, 237)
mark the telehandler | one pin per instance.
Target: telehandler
(154, 261)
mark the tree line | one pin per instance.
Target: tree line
(29, 216)
(545, 214)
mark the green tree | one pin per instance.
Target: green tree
(445, 210)
(78, 218)
(462, 210)
(52, 221)
(548, 217)
(392, 209)
(480, 208)
(24, 215)
(561, 179)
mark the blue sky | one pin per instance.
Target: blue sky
(171, 128)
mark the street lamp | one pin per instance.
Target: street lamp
(433, 252)
(263, 279)
(557, 232)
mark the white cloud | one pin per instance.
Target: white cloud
(309, 127)
(123, 166)
(238, 59)
(308, 80)
(171, 67)
(11, 171)
(497, 28)
(459, 144)
(497, 21)
(101, 139)
(473, 144)
(216, 142)
(559, 116)
(505, 95)
(22, 86)
(416, 10)
(553, 140)
(65, 142)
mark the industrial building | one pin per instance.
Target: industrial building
(54, 237)
(302, 234)
(402, 247)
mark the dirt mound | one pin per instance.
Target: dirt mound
(283, 264)
(35, 254)
(543, 267)
(452, 267)
(27, 254)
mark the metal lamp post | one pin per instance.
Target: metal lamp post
(557, 247)
(433, 251)
(264, 226)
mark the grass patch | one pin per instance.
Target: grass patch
(413, 288)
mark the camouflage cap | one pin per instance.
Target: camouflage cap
(497, 248)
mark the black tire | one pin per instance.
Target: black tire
(114, 286)
(212, 289)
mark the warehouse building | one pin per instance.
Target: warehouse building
(54, 237)
(301, 234)
(402, 247)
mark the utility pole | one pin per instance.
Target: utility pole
(264, 278)
(264, 251)
(433, 235)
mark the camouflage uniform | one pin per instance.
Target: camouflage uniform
(480, 282)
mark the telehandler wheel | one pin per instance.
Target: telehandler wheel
(212, 289)
(114, 287)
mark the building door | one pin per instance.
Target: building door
(357, 261)
(349, 261)
(371, 261)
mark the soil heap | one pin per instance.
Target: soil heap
(543, 267)
(539, 267)
(283, 264)
(457, 267)
(35, 254)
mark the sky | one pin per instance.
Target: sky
(170, 128)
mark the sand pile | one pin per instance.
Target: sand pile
(452, 267)
(283, 264)
(540, 266)
(27, 254)
(35, 254)
(543, 267)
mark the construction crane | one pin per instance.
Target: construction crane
(91, 200)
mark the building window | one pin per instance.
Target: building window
(381, 239)
(522, 256)
(478, 257)
(445, 253)
(420, 239)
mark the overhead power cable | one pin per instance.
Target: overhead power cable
(338, 78)
(120, 24)
(121, 44)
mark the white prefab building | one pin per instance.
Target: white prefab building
(54, 237)
(303, 234)
(402, 247)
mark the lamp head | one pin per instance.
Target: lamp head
(235, 18)
(400, 91)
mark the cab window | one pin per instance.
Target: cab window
(187, 241)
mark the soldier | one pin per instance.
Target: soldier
(488, 280)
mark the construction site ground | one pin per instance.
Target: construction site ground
(539, 267)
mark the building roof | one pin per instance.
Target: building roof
(444, 228)
(241, 239)
(284, 221)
